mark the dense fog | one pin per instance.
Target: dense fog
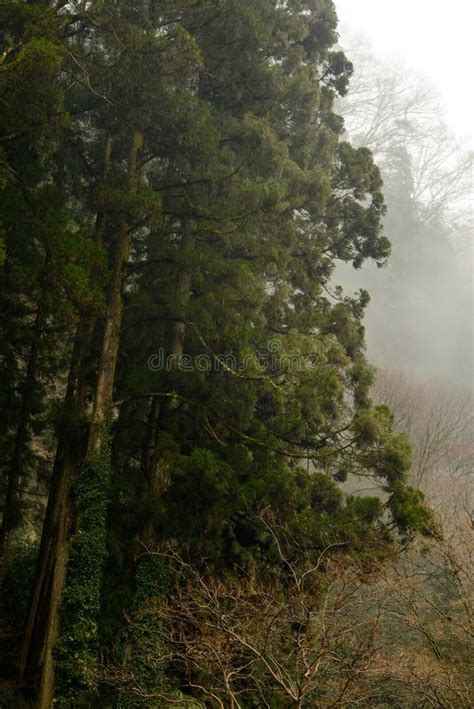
(421, 316)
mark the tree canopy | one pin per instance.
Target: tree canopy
(178, 373)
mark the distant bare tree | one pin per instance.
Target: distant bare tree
(388, 107)
(429, 614)
(440, 424)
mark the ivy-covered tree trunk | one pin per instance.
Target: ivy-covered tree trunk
(41, 630)
(80, 605)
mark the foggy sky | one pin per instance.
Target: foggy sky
(430, 36)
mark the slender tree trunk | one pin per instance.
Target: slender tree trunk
(111, 337)
(120, 448)
(21, 439)
(155, 467)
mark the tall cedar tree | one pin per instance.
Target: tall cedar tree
(180, 173)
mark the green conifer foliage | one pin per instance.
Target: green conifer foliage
(194, 200)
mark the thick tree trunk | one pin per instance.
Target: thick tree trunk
(42, 625)
(13, 496)
(42, 629)
(100, 412)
